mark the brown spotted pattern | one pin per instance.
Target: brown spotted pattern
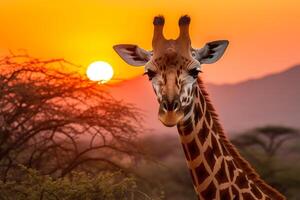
(214, 171)
(217, 169)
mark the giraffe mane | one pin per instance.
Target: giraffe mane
(240, 161)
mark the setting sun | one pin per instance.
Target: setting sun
(100, 71)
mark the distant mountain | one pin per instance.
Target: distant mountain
(273, 99)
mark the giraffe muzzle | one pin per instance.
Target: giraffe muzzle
(169, 112)
(170, 106)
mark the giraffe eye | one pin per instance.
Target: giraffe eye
(194, 72)
(150, 74)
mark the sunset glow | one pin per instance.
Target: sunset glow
(100, 71)
(264, 35)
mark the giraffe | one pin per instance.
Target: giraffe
(217, 169)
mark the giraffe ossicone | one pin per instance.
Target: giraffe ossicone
(217, 169)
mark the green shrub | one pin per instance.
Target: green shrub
(77, 186)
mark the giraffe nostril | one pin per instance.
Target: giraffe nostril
(165, 105)
(170, 106)
(176, 105)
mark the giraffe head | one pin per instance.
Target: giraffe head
(172, 67)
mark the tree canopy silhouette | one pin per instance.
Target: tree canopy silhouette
(271, 151)
(269, 138)
(54, 120)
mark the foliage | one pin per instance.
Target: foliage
(269, 138)
(110, 186)
(54, 120)
(271, 151)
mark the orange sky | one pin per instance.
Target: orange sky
(264, 35)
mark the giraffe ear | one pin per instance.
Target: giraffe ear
(132, 54)
(211, 52)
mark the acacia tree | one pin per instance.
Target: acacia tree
(270, 150)
(269, 138)
(56, 121)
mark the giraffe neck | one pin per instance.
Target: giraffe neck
(217, 169)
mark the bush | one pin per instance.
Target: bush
(79, 185)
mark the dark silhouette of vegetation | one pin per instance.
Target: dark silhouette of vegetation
(56, 121)
(270, 138)
(271, 150)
